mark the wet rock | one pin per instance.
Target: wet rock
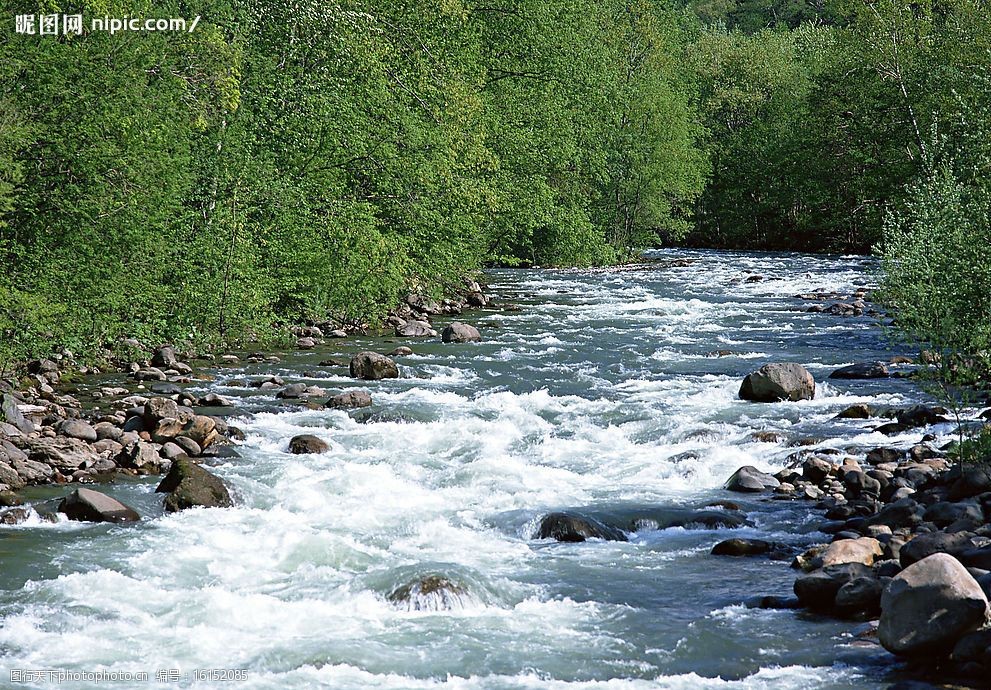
(373, 366)
(858, 411)
(707, 519)
(742, 547)
(974, 646)
(11, 414)
(92, 506)
(864, 370)
(881, 456)
(401, 351)
(864, 550)
(14, 516)
(77, 428)
(292, 391)
(188, 485)
(917, 416)
(905, 512)
(929, 606)
(945, 513)
(571, 527)
(415, 329)
(430, 593)
(165, 389)
(306, 343)
(766, 437)
(214, 400)
(458, 332)
(150, 374)
(816, 469)
(779, 381)
(773, 602)
(749, 479)
(817, 590)
(305, 444)
(201, 429)
(925, 545)
(349, 399)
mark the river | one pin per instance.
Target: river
(600, 394)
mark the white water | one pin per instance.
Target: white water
(600, 394)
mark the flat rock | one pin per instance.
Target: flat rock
(92, 506)
(864, 550)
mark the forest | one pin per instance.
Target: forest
(292, 161)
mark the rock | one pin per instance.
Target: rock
(858, 411)
(164, 357)
(929, 606)
(165, 388)
(571, 527)
(905, 512)
(189, 485)
(865, 370)
(458, 332)
(971, 482)
(306, 343)
(11, 414)
(974, 646)
(157, 409)
(749, 479)
(170, 451)
(401, 351)
(945, 513)
(373, 366)
(77, 428)
(107, 431)
(63, 453)
(214, 400)
(864, 550)
(781, 381)
(142, 457)
(741, 547)
(861, 596)
(925, 545)
(415, 329)
(307, 443)
(92, 506)
(766, 436)
(188, 445)
(14, 516)
(430, 593)
(817, 590)
(816, 469)
(917, 416)
(150, 374)
(349, 399)
(201, 429)
(292, 391)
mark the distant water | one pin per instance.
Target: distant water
(600, 394)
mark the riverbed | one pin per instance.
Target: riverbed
(610, 392)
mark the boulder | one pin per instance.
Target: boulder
(201, 429)
(858, 411)
(164, 357)
(401, 351)
(415, 329)
(741, 547)
(458, 332)
(157, 409)
(818, 589)
(971, 482)
(188, 485)
(925, 545)
(571, 527)
(214, 400)
(92, 506)
(861, 596)
(373, 366)
(779, 381)
(929, 606)
(76, 428)
(349, 399)
(430, 593)
(749, 479)
(864, 550)
(307, 443)
(292, 391)
(917, 416)
(816, 469)
(864, 370)
(11, 414)
(143, 457)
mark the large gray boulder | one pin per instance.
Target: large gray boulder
(92, 506)
(779, 381)
(188, 485)
(458, 332)
(373, 366)
(749, 479)
(929, 606)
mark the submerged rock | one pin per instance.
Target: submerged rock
(430, 593)
(778, 381)
(188, 485)
(373, 366)
(305, 444)
(929, 606)
(864, 370)
(742, 547)
(92, 506)
(571, 527)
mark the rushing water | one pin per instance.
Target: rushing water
(600, 394)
